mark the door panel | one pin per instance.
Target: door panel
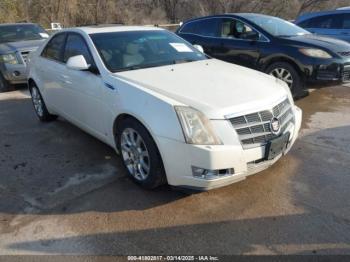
(83, 90)
(49, 66)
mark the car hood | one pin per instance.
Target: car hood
(314, 40)
(20, 46)
(216, 88)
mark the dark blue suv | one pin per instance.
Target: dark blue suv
(334, 23)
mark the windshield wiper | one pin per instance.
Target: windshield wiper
(181, 61)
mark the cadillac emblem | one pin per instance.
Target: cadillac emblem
(275, 126)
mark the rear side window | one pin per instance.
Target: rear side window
(206, 27)
(76, 45)
(346, 21)
(54, 48)
(324, 22)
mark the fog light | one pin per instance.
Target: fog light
(208, 174)
(16, 73)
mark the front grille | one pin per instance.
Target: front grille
(254, 129)
(25, 56)
(347, 53)
(346, 74)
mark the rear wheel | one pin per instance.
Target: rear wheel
(287, 73)
(140, 154)
(39, 105)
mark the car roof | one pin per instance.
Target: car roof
(315, 14)
(94, 29)
(235, 15)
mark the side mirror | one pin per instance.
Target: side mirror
(199, 48)
(77, 62)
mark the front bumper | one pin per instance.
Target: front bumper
(179, 158)
(328, 70)
(15, 74)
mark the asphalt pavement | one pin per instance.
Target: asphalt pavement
(64, 192)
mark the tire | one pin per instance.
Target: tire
(39, 105)
(141, 158)
(4, 84)
(287, 73)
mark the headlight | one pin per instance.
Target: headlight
(196, 127)
(312, 52)
(9, 59)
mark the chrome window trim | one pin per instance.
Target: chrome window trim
(265, 40)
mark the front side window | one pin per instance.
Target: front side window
(54, 48)
(76, 45)
(232, 28)
(21, 32)
(121, 51)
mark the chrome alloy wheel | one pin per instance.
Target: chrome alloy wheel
(284, 75)
(135, 154)
(37, 101)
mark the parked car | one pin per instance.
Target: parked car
(173, 114)
(271, 45)
(334, 23)
(16, 42)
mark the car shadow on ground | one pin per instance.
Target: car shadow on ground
(44, 165)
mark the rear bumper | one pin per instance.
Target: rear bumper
(180, 158)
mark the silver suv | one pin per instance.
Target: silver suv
(16, 42)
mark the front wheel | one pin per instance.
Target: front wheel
(39, 105)
(140, 154)
(287, 73)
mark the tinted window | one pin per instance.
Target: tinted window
(21, 32)
(205, 27)
(121, 51)
(54, 48)
(324, 22)
(76, 45)
(190, 28)
(346, 21)
(232, 28)
(208, 27)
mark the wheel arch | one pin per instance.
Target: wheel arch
(121, 117)
(30, 82)
(285, 59)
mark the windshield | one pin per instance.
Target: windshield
(276, 26)
(121, 51)
(15, 33)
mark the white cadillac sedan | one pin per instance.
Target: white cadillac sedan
(175, 115)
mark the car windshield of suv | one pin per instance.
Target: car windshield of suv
(276, 26)
(15, 33)
(131, 50)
